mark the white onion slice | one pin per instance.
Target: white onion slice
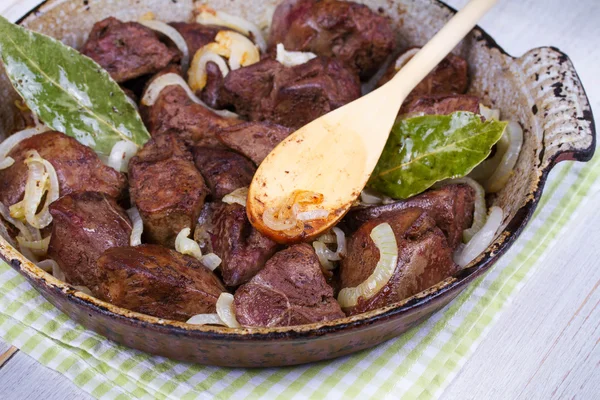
(47, 265)
(209, 16)
(57, 272)
(197, 75)
(486, 169)
(35, 187)
(482, 239)
(324, 255)
(172, 34)
(311, 215)
(37, 247)
(13, 140)
(509, 159)
(120, 155)
(187, 246)
(341, 242)
(385, 240)
(293, 58)
(23, 229)
(480, 209)
(278, 224)
(239, 196)
(225, 310)
(171, 79)
(240, 51)
(211, 261)
(138, 227)
(84, 289)
(488, 113)
(404, 58)
(205, 319)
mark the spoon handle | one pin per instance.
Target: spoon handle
(438, 47)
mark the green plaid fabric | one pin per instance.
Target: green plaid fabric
(420, 364)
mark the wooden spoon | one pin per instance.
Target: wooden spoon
(325, 165)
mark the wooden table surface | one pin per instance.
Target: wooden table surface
(545, 345)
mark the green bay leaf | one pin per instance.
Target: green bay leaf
(423, 150)
(70, 92)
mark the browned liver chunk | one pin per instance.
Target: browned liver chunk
(77, 167)
(223, 170)
(291, 96)
(127, 50)
(255, 140)
(174, 111)
(290, 290)
(84, 225)
(424, 258)
(450, 206)
(243, 249)
(166, 188)
(441, 104)
(451, 76)
(196, 35)
(345, 30)
(157, 281)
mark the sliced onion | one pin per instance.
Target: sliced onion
(482, 239)
(57, 272)
(240, 51)
(225, 310)
(480, 209)
(385, 240)
(488, 113)
(209, 16)
(509, 159)
(275, 223)
(404, 58)
(486, 169)
(211, 261)
(26, 232)
(239, 196)
(312, 215)
(120, 155)
(327, 238)
(37, 247)
(172, 34)
(138, 227)
(172, 79)
(324, 255)
(13, 140)
(205, 319)
(84, 289)
(47, 265)
(187, 246)
(341, 242)
(293, 58)
(197, 75)
(35, 187)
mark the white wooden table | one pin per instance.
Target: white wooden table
(546, 345)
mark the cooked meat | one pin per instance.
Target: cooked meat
(223, 170)
(153, 280)
(196, 35)
(84, 225)
(166, 188)
(78, 168)
(342, 29)
(211, 94)
(451, 76)
(424, 258)
(255, 140)
(290, 96)
(450, 206)
(242, 249)
(442, 104)
(290, 290)
(127, 50)
(175, 112)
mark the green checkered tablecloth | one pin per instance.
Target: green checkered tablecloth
(420, 364)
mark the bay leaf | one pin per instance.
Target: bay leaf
(423, 150)
(69, 92)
